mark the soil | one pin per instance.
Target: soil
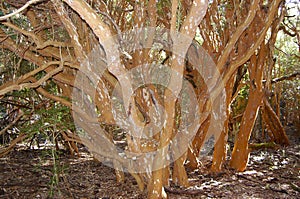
(32, 174)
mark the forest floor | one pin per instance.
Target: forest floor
(30, 174)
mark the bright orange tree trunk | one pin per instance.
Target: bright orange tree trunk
(240, 151)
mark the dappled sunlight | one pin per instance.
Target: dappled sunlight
(149, 99)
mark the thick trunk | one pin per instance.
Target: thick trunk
(220, 144)
(219, 152)
(155, 188)
(179, 174)
(240, 151)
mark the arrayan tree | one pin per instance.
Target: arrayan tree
(163, 72)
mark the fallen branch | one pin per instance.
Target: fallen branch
(5, 151)
(270, 145)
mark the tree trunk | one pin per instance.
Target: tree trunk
(274, 125)
(240, 153)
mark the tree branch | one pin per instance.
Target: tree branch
(182, 41)
(286, 77)
(70, 27)
(224, 57)
(282, 27)
(39, 44)
(234, 66)
(19, 10)
(102, 31)
(31, 85)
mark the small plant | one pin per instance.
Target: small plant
(57, 169)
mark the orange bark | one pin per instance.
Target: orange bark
(273, 124)
(219, 152)
(240, 153)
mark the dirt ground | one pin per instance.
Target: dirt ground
(31, 174)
